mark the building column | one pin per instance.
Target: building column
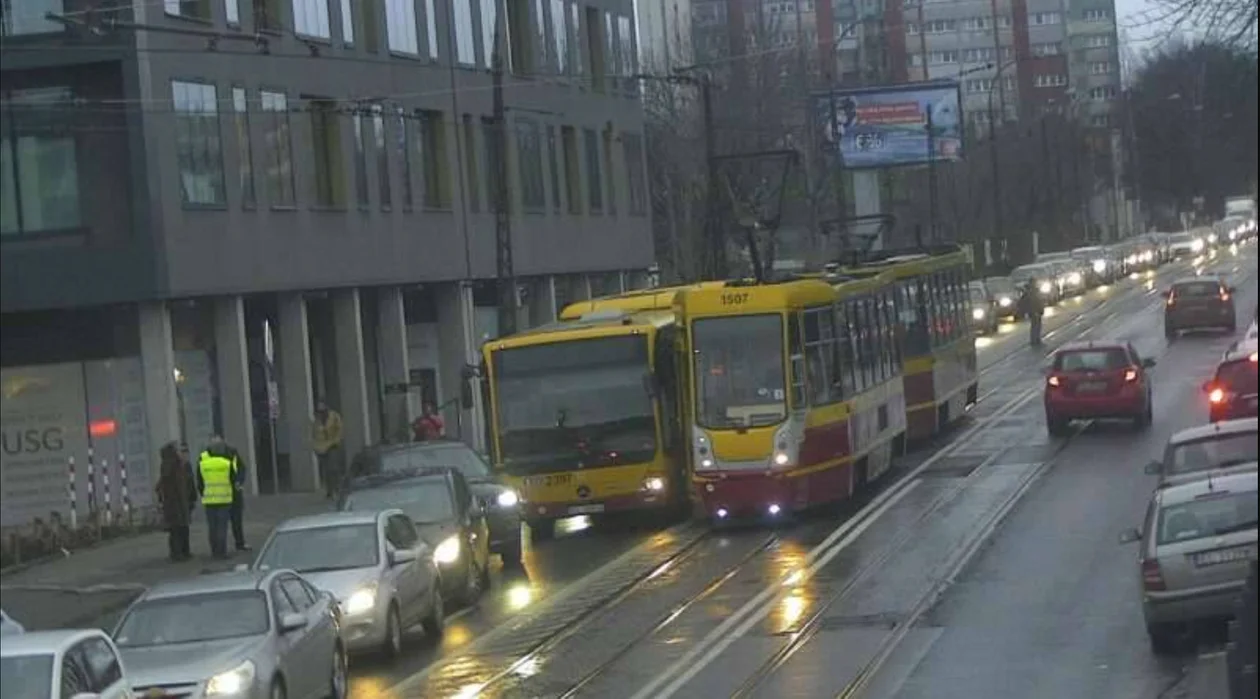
(232, 364)
(351, 373)
(157, 354)
(457, 348)
(297, 404)
(622, 285)
(542, 301)
(392, 362)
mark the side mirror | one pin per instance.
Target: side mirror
(1128, 536)
(649, 384)
(1148, 363)
(1154, 468)
(292, 622)
(398, 557)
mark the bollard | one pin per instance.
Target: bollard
(91, 485)
(109, 508)
(74, 496)
(126, 495)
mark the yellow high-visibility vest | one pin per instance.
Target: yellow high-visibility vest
(216, 474)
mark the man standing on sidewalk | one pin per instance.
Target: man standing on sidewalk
(216, 478)
(326, 439)
(238, 496)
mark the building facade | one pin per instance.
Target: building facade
(218, 212)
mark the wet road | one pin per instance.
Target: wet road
(803, 610)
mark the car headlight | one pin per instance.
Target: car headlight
(507, 498)
(1074, 278)
(1046, 287)
(234, 681)
(1196, 245)
(653, 484)
(1005, 301)
(360, 601)
(1100, 266)
(977, 313)
(1131, 259)
(1212, 238)
(447, 552)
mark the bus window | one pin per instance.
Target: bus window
(797, 358)
(844, 351)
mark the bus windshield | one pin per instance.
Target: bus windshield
(581, 401)
(739, 371)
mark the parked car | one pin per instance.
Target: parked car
(1232, 444)
(1003, 290)
(1097, 380)
(1232, 391)
(984, 309)
(375, 564)
(255, 634)
(447, 516)
(1196, 543)
(62, 664)
(500, 502)
(1198, 303)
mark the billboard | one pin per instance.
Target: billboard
(887, 126)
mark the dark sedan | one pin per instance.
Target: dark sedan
(499, 501)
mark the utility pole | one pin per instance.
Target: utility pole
(931, 163)
(502, 216)
(713, 228)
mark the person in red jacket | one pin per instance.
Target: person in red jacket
(429, 426)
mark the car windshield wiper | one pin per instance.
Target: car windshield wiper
(1241, 526)
(328, 569)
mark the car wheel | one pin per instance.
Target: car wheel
(337, 685)
(435, 623)
(392, 646)
(1163, 640)
(472, 584)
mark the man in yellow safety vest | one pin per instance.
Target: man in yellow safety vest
(216, 479)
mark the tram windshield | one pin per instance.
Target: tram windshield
(738, 364)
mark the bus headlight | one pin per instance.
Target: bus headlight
(507, 498)
(653, 484)
(977, 313)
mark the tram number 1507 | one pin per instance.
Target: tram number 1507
(735, 299)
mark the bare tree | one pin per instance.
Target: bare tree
(1228, 22)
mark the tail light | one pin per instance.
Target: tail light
(1255, 356)
(1172, 300)
(1054, 382)
(1217, 395)
(1152, 576)
(1130, 375)
(1224, 295)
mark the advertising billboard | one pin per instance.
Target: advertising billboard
(887, 126)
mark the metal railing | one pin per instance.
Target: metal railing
(1241, 651)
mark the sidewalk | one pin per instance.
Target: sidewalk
(88, 587)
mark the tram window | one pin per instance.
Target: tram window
(797, 359)
(892, 309)
(887, 314)
(844, 351)
(960, 301)
(913, 317)
(868, 344)
(933, 309)
(820, 356)
(878, 368)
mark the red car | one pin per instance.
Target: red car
(1097, 380)
(1232, 392)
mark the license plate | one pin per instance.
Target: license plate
(586, 509)
(1091, 387)
(549, 480)
(1211, 558)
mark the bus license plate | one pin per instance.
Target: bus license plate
(586, 509)
(549, 480)
(1211, 558)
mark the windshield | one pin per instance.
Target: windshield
(26, 676)
(457, 456)
(1238, 376)
(581, 401)
(424, 500)
(1087, 253)
(978, 296)
(327, 548)
(1091, 360)
(1214, 451)
(1023, 274)
(1209, 516)
(1182, 238)
(1197, 289)
(194, 618)
(999, 285)
(739, 371)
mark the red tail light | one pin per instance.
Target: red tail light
(1224, 295)
(1130, 375)
(1054, 382)
(1217, 395)
(1152, 576)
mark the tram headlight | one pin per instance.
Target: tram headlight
(701, 449)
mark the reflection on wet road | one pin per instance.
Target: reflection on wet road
(840, 599)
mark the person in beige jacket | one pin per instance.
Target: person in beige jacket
(326, 440)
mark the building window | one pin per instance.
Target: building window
(470, 168)
(1097, 41)
(310, 18)
(560, 35)
(1099, 120)
(572, 172)
(1099, 94)
(404, 156)
(39, 174)
(232, 12)
(538, 29)
(430, 24)
(629, 60)
(636, 174)
(30, 18)
(361, 194)
(400, 27)
(329, 182)
(610, 172)
(245, 153)
(192, 9)
(612, 59)
(520, 38)
(382, 157)
(576, 59)
(1096, 15)
(276, 137)
(461, 11)
(943, 57)
(1100, 68)
(347, 23)
(940, 26)
(1038, 19)
(434, 164)
(529, 151)
(368, 18)
(553, 168)
(595, 47)
(489, 15)
(1052, 48)
(594, 183)
(268, 16)
(1049, 81)
(197, 143)
(494, 165)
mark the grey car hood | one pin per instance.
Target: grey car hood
(343, 583)
(187, 663)
(433, 533)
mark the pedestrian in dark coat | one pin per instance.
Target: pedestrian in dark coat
(177, 495)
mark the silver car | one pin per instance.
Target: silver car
(244, 635)
(1229, 444)
(62, 665)
(374, 563)
(1197, 542)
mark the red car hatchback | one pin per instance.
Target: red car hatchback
(1232, 393)
(1096, 380)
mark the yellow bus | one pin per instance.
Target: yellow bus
(582, 415)
(938, 349)
(794, 394)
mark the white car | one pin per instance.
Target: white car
(62, 664)
(8, 625)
